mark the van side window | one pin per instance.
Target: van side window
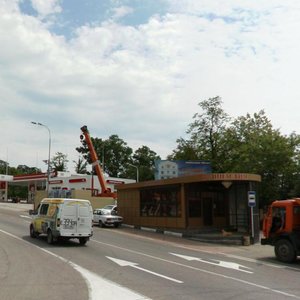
(44, 209)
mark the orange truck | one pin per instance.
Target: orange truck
(281, 229)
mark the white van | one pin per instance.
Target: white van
(61, 218)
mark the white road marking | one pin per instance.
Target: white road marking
(201, 270)
(26, 217)
(220, 263)
(125, 263)
(259, 262)
(96, 284)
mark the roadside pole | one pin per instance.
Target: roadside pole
(251, 204)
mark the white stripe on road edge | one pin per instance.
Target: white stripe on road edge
(96, 284)
(201, 270)
(26, 217)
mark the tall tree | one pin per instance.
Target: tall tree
(113, 154)
(117, 155)
(254, 146)
(80, 166)
(248, 144)
(59, 162)
(99, 146)
(206, 135)
(144, 160)
(186, 150)
(4, 167)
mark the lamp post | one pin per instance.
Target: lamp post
(137, 172)
(48, 171)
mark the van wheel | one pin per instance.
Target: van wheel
(83, 240)
(33, 234)
(49, 237)
(101, 224)
(285, 251)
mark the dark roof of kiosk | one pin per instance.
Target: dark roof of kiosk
(212, 177)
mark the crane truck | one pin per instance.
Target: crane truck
(105, 191)
(281, 229)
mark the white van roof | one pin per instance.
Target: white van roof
(62, 200)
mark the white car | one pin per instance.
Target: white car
(104, 217)
(111, 207)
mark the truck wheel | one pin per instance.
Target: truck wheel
(49, 237)
(83, 240)
(285, 251)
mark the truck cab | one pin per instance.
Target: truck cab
(281, 229)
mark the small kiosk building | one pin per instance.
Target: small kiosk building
(197, 202)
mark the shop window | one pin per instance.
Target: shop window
(219, 206)
(195, 209)
(194, 203)
(160, 202)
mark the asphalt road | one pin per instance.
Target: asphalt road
(132, 264)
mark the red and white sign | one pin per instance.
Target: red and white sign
(115, 181)
(55, 181)
(77, 180)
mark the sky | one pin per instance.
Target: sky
(138, 69)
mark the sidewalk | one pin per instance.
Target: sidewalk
(16, 206)
(211, 236)
(217, 243)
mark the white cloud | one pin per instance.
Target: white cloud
(121, 11)
(48, 7)
(144, 83)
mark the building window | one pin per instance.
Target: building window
(160, 202)
(219, 205)
(194, 203)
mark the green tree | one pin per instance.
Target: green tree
(59, 162)
(16, 191)
(116, 156)
(99, 146)
(113, 154)
(143, 159)
(3, 167)
(248, 144)
(254, 146)
(206, 132)
(23, 169)
(186, 150)
(80, 166)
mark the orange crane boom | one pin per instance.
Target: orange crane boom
(105, 191)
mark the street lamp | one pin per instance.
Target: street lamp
(48, 171)
(137, 172)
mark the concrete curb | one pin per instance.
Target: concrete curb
(149, 229)
(205, 238)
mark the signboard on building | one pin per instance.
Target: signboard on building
(6, 177)
(176, 168)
